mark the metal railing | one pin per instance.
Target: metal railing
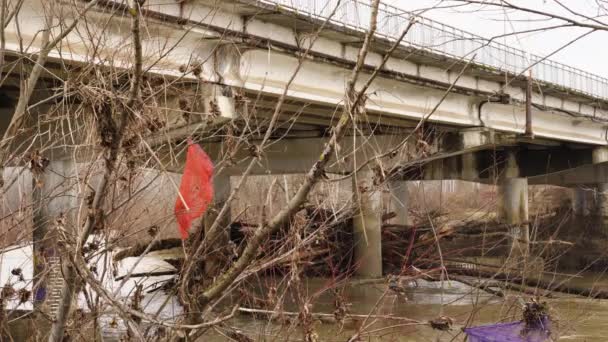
(446, 40)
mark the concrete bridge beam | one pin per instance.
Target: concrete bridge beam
(367, 224)
(293, 155)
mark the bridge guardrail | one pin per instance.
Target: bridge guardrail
(447, 40)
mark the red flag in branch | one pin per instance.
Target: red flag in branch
(196, 188)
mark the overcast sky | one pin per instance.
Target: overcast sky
(589, 53)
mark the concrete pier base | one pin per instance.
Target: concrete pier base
(600, 155)
(583, 201)
(399, 200)
(513, 210)
(367, 224)
(601, 207)
(513, 206)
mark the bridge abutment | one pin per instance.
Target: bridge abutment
(367, 224)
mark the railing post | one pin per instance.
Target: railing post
(529, 132)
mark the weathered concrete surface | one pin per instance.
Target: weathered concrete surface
(484, 163)
(294, 155)
(513, 205)
(367, 224)
(583, 200)
(577, 176)
(513, 209)
(399, 202)
(600, 155)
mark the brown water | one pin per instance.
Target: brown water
(576, 318)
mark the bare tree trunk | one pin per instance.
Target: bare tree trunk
(352, 108)
(214, 230)
(95, 210)
(53, 200)
(2, 34)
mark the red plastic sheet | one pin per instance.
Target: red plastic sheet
(196, 188)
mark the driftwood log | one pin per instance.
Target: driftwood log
(326, 317)
(490, 287)
(531, 282)
(140, 248)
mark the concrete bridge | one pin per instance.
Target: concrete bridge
(492, 113)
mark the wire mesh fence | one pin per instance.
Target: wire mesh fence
(432, 36)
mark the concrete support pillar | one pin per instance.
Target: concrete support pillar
(54, 200)
(602, 205)
(399, 201)
(367, 224)
(600, 155)
(513, 210)
(583, 201)
(513, 206)
(217, 254)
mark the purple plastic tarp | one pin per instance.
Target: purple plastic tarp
(510, 332)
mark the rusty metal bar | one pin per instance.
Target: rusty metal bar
(529, 132)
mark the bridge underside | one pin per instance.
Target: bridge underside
(236, 117)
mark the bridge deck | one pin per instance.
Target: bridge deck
(444, 40)
(267, 36)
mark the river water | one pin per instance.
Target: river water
(574, 318)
